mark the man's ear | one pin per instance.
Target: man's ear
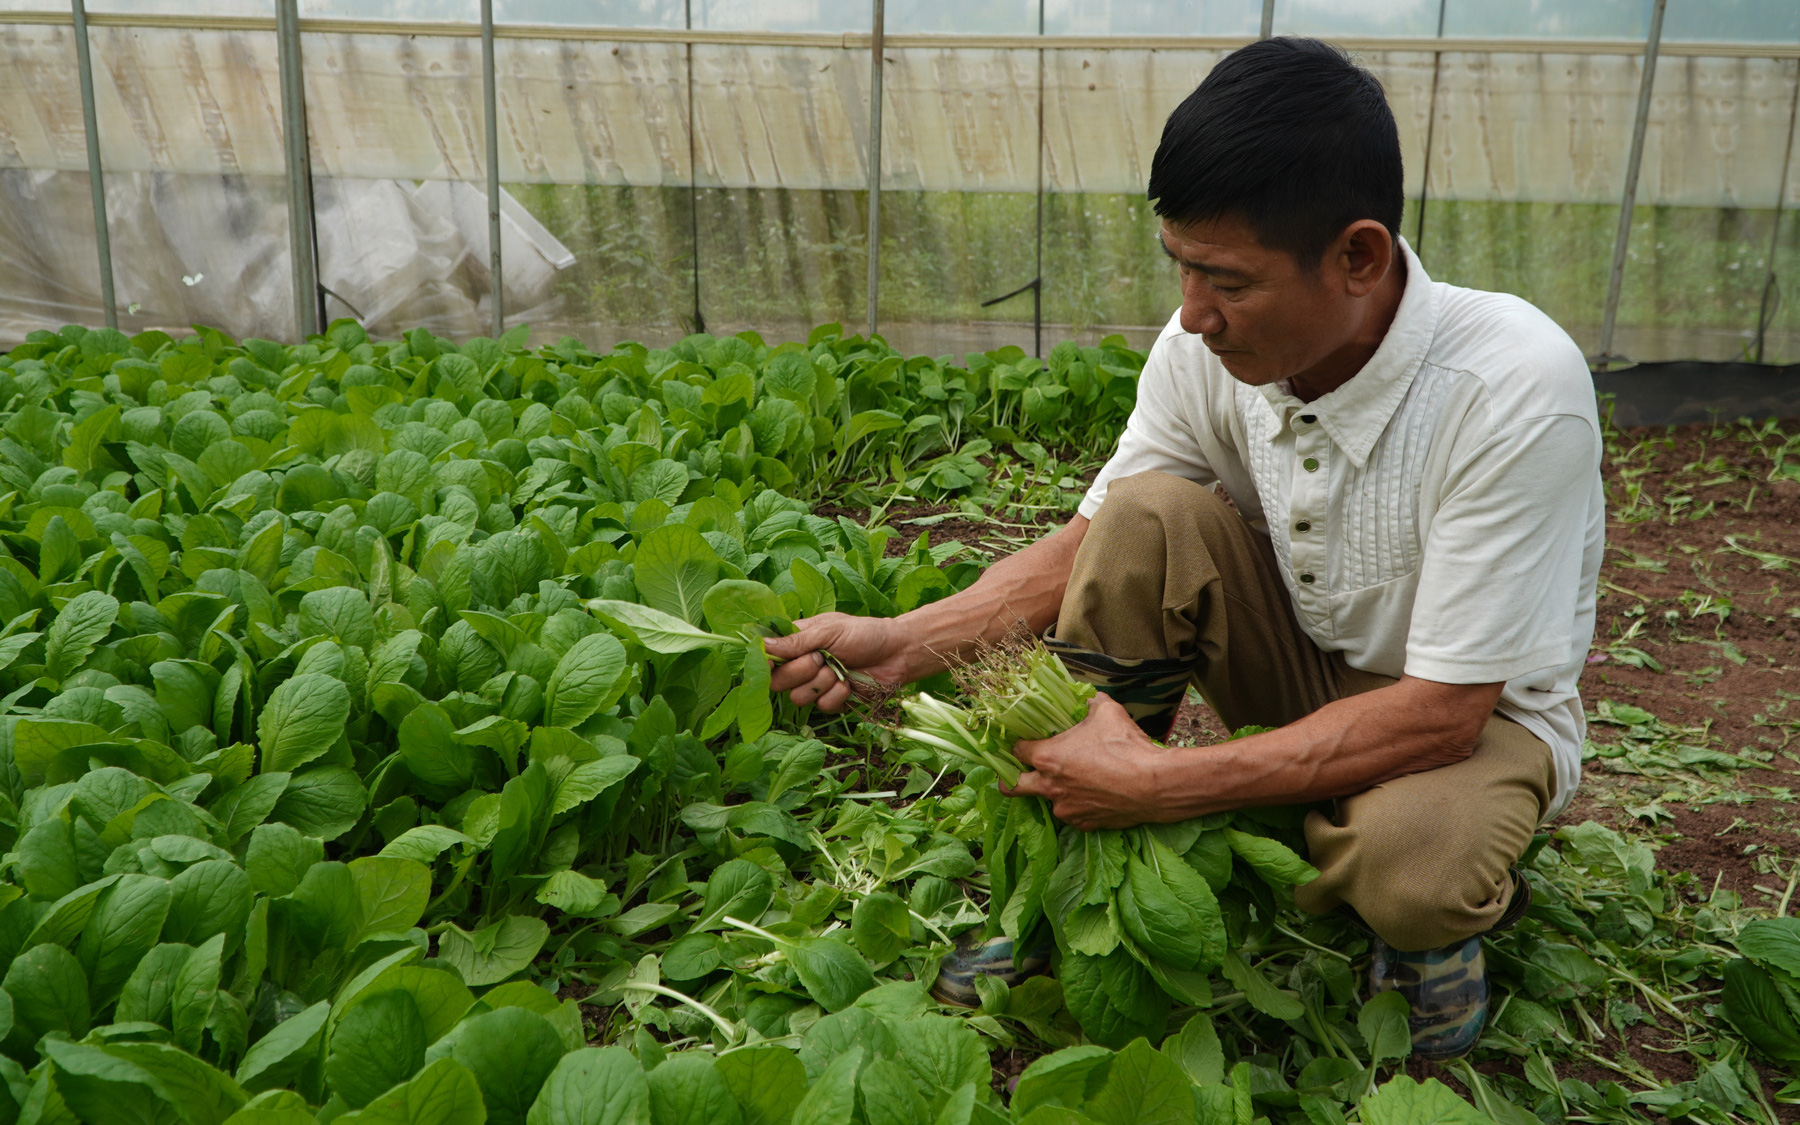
(1363, 254)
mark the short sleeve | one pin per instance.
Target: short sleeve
(1159, 436)
(1502, 570)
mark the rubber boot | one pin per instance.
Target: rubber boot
(1446, 988)
(990, 957)
(1150, 690)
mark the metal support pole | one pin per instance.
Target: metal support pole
(1037, 292)
(491, 112)
(1437, 66)
(302, 249)
(1771, 294)
(693, 170)
(875, 50)
(1268, 20)
(1634, 162)
(84, 63)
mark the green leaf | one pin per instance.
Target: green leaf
(943, 1054)
(325, 802)
(768, 1082)
(1273, 860)
(278, 856)
(1382, 1022)
(1754, 1005)
(1774, 942)
(598, 1086)
(493, 952)
(889, 1095)
(121, 930)
(742, 608)
(1143, 1087)
(205, 1095)
(146, 995)
(210, 897)
(302, 719)
(431, 751)
(377, 1044)
(590, 779)
(444, 1093)
(125, 1082)
(49, 992)
(738, 888)
(1165, 926)
(830, 971)
(442, 999)
(77, 629)
(341, 613)
(391, 893)
(1402, 1101)
(250, 804)
(280, 1055)
(657, 631)
(1262, 995)
(673, 569)
(574, 893)
(881, 926)
(511, 1052)
(686, 1090)
(1113, 997)
(589, 678)
(1197, 1050)
(425, 842)
(1068, 1078)
(831, 1099)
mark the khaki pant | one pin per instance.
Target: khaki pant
(1169, 570)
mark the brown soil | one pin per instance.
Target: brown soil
(1737, 675)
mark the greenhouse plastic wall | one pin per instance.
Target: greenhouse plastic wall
(677, 163)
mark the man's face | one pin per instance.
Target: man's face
(1265, 316)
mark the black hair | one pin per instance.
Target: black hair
(1290, 135)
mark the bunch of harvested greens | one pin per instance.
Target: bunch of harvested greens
(1142, 915)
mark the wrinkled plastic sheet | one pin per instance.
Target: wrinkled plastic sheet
(196, 249)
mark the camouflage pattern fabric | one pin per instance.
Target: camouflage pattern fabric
(1447, 987)
(1149, 689)
(994, 957)
(1448, 991)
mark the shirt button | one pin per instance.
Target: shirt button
(1309, 419)
(1307, 579)
(1311, 464)
(1303, 525)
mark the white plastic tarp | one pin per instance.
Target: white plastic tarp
(192, 249)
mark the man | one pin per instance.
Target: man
(1405, 587)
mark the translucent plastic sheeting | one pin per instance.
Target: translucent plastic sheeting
(1510, 126)
(1557, 128)
(212, 249)
(187, 249)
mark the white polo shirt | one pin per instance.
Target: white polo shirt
(1441, 514)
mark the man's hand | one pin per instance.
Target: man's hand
(1106, 773)
(874, 646)
(1097, 774)
(1020, 592)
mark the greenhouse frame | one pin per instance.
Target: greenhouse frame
(682, 164)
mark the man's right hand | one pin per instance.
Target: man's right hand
(873, 646)
(1021, 592)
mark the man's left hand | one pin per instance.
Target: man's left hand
(1097, 774)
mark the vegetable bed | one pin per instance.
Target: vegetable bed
(387, 738)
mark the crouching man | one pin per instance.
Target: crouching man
(1403, 582)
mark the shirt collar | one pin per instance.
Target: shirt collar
(1355, 414)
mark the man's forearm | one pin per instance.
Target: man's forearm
(1344, 747)
(1022, 592)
